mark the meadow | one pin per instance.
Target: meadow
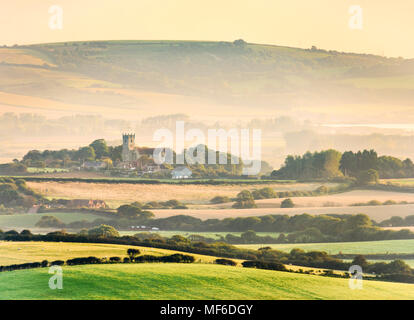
(188, 281)
(337, 200)
(22, 252)
(365, 247)
(121, 193)
(378, 213)
(400, 182)
(29, 220)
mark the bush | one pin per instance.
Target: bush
(226, 262)
(115, 259)
(220, 199)
(57, 263)
(244, 200)
(80, 261)
(277, 266)
(287, 203)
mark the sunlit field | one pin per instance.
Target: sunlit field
(194, 281)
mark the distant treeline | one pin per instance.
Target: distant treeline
(294, 229)
(333, 164)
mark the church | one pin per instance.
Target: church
(130, 152)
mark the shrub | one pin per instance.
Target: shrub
(220, 199)
(57, 263)
(80, 261)
(226, 262)
(115, 259)
(287, 203)
(277, 266)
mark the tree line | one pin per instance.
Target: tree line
(364, 166)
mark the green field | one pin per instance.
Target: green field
(410, 262)
(365, 247)
(184, 281)
(29, 220)
(22, 252)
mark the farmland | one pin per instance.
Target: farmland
(120, 193)
(366, 247)
(182, 281)
(22, 252)
(29, 220)
(377, 213)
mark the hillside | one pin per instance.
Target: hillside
(136, 74)
(182, 281)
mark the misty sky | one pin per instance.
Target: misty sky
(387, 25)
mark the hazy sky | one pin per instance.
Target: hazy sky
(387, 25)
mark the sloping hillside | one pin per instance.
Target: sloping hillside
(183, 281)
(110, 73)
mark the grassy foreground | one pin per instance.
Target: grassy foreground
(183, 281)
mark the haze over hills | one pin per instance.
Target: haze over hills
(135, 84)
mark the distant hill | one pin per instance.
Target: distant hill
(106, 73)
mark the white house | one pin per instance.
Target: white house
(181, 173)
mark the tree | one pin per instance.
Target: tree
(361, 261)
(104, 231)
(130, 211)
(133, 253)
(368, 177)
(287, 203)
(86, 154)
(244, 200)
(100, 147)
(49, 222)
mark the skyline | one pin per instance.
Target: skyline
(321, 23)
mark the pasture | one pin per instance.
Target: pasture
(378, 213)
(29, 220)
(22, 252)
(364, 247)
(188, 281)
(121, 193)
(400, 182)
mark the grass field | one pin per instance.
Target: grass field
(29, 220)
(400, 182)
(366, 247)
(121, 193)
(22, 252)
(378, 213)
(336, 200)
(182, 281)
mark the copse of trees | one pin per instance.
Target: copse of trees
(331, 164)
(244, 200)
(15, 193)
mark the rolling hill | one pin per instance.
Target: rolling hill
(182, 281)
(133, 75)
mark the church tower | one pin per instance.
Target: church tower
(128, 147)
